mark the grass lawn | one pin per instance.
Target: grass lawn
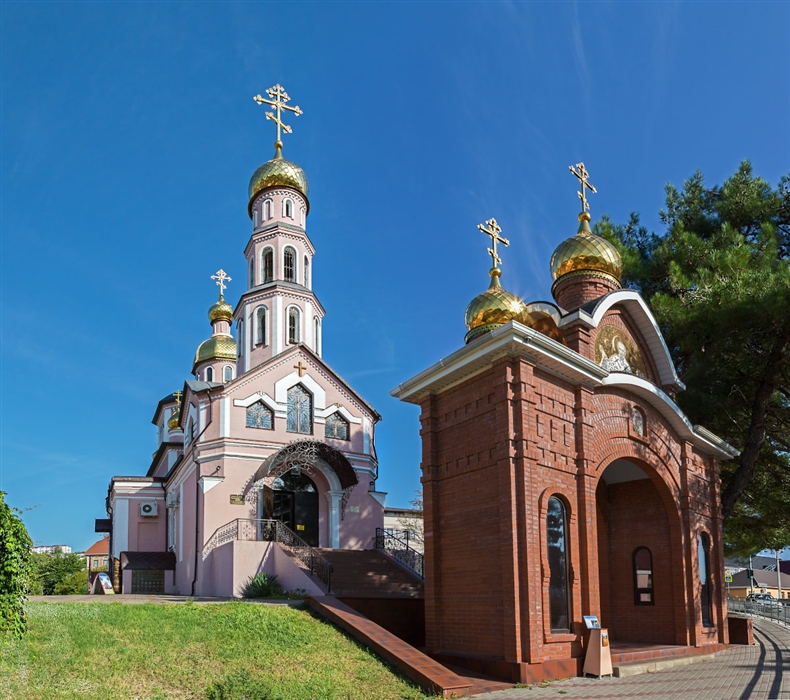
(223, 651)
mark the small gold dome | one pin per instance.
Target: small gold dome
(278, 172)
(586, 252)
(493, 308)
(220, 311)
(174, 418)
(217, 347)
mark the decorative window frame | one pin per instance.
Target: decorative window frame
(299, 328)
(342, 410)
(265, 336)
(295, 254)
(337, 412)
(264, 250)
(319, 394)
(266, 405)
(254, 218)
(306, 272)
(209, 369)
(225, 369)
(267, 209)
(632, 433)
(279, 411)
(288, 208)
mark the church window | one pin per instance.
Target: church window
(255, 219)
(260, 416)
(288, 208)
(239, 335)
(703, 555)
(228, 373)
(317, 335)
(190, 431)
(252, 272)
(643, 576)
(267, 265)
(558, 565)
(267, 209)
(306, 272)
(299, 410)
(303, 216)
(336, 427)
(289, 265)
(209, 374)
(260, 325)
(293, 325)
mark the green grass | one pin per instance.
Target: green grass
(226, 651)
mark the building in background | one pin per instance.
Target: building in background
(51, 549)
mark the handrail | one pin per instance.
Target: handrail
(273, 531)
(400, 550)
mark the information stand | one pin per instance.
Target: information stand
(598, 661)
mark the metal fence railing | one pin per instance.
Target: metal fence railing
(778, 611)
(400, 550)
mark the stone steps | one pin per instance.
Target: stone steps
(638, 667)
(370, 574)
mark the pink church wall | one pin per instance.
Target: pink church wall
(358, 528)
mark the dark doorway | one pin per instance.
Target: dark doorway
(294, 502)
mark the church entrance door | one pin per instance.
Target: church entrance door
(294, 502)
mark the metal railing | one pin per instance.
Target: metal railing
(777, 611)
(273, 531)
(399, 549)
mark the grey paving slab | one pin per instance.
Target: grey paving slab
(759, 672)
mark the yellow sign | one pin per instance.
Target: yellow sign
(728, 576)
(300, 527)
(236, 499)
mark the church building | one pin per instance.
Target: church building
(561, 480)
(266, 444)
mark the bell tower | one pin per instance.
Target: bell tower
(279, 307)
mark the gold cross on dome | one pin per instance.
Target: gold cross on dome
(299, 367)
(491, 228)
(277, 102)
(581, 173)
(178, 396)
(221, 278)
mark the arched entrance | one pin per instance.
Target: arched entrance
(635, 556)
(293, 499)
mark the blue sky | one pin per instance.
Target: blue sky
(129, 135)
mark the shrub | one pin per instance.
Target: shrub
(262, 586)
(15, 546)
(53, 569)
(73, 584)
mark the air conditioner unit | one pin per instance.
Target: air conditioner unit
(149, 509)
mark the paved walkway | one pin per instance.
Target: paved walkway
(759, 672)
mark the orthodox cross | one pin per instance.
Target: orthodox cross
(491, 228)
(299, 367)
(178, 396)
(581, 173)
(277, 103)
(221, 278)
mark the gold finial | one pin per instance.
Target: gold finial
(299, 367)
(491, 228)
(178, 396)
(581, 173)
(175, 414)
(221, 278)
(277, 102)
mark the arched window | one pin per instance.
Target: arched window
(336, 427)
(558, 565)
(267, 210)
(317, 335)
(228, 373)
(267, 265)
(643, 576)
(239, 336)
(303, 216)
(300, 410)
(259, 415)
(255, 218)
(209, 374)
(252, 272)
(288, 208)
(293, 325)
(260, 325)
(703, 555)
(306, 272)
(289, 265)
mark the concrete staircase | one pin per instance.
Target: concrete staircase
(370, 574)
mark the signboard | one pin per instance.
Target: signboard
(728, 576)
(592, 622)
(598, 660)
(236, 499)
(102, 584)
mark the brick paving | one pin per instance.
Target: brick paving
(759, 672)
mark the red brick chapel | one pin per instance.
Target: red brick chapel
(560, 478)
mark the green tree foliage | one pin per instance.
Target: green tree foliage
(15, 546)
(718, 282)
(73, 584)
(50, 570)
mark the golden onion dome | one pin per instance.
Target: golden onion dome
(173, 423)
(492, 309)
(278, 172)
(221, 311)
(586, 252)
(220, 346)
